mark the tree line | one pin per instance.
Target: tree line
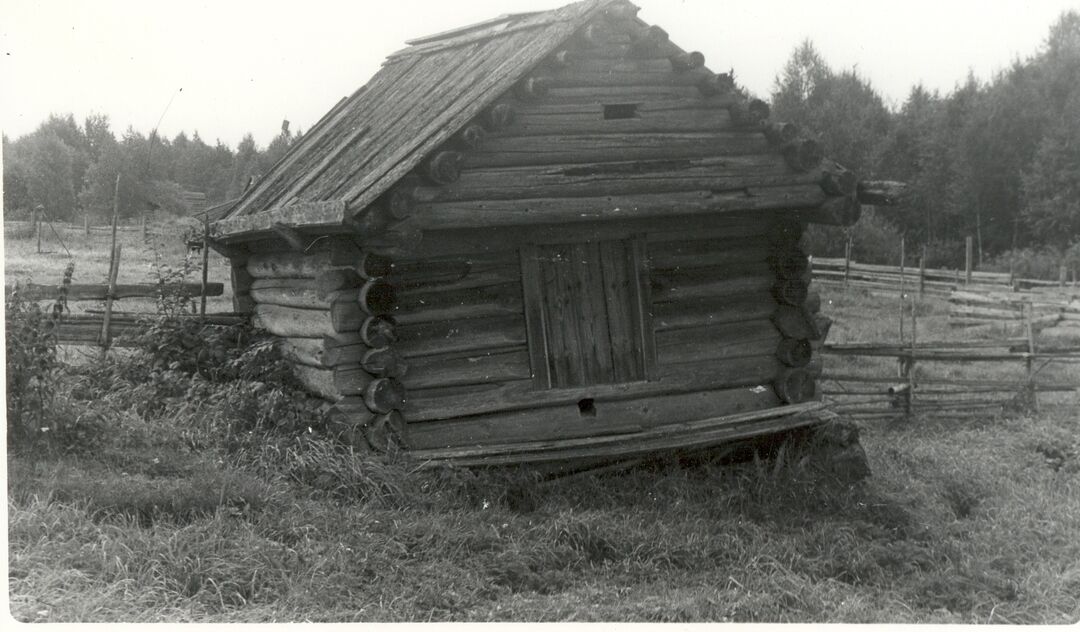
(998, 161)
(70, 169)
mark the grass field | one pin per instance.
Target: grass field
(174, 516)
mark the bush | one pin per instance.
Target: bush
(32, 364)
(1039, 262)
(874, 239)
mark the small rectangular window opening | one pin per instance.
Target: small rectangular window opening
(620, 111)
(587, 407)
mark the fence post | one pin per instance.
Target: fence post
(968, 247)
(144, 226)
(86, 223)
(901, 289)
(1029, 311)
(847, 260)
(205, 262)
(912, 367)
(922, 272)
(1062, 275)
(36, 219)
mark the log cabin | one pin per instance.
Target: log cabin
(546, 237)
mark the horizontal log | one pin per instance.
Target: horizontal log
(448, 215)
(288, 292)
(677, 290)
(466, 368)
(663, 116)
(477, 335)
(454, 272)
(99, 292)
(615, 178)
(446, 403)
(575, 148)
(478, 302)
(338, 253)
(497, 116)
(705, 253)
(443, 167)
(293, 322)
(575, 77)
(567, 421)
(717, 342)
(687, 436)
(462, 241)
(712, 311)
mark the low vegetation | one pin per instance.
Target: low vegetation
(188, 481)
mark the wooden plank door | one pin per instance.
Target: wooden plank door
(587, 313)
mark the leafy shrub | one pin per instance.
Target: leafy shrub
(1042, 262)
(874, 239)
(32, 363)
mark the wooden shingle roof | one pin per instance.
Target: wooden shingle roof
(422, 95)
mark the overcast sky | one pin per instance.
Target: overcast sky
(226, 68)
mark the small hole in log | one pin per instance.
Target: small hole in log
(587, 407)
(620, 111)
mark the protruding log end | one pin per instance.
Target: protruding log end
(532, 88)
(384, 362)
(881, 192)
(813, 304)
(781, 133)
(443, 168)
(803, 155)
(376, 297)
(795, 352)
(497, 117)
(397, 202)
(384, 395)
(790, 292)
(836, 211)
(794, 322)
(648, 39)
(687, 61)
(789, 263)
(794, 386)
(386, 432)
(839, 181)
(472, 137)
(378, 331)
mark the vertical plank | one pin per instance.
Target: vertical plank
(535, 323)
(625, 343)
(595, 341)
(639, 261)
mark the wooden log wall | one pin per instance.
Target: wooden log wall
(332, 309)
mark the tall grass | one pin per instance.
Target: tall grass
(217, 496)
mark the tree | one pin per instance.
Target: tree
(50, 174)
(1052, 184)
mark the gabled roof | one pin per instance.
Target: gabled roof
(422, 95)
